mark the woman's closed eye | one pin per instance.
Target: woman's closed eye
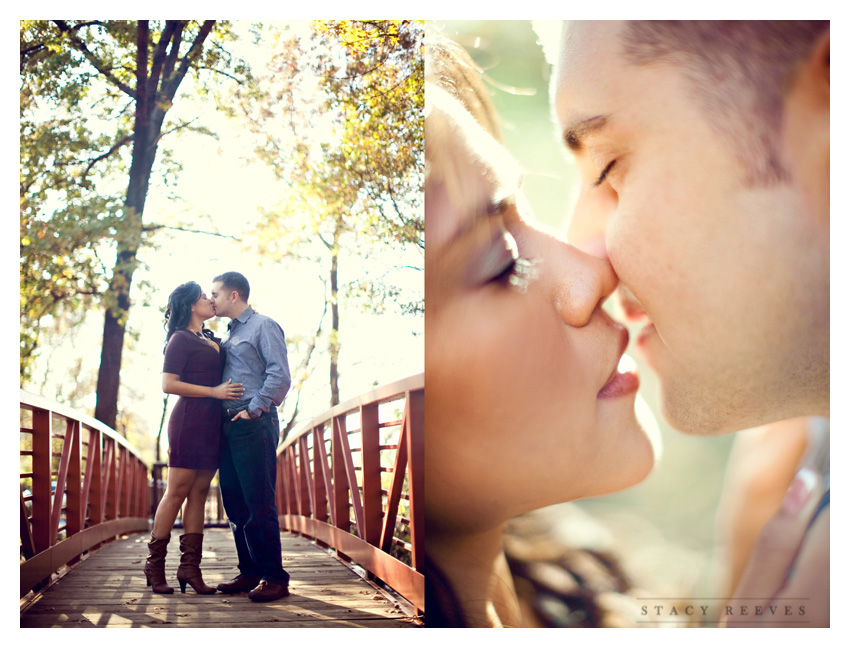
(507, 267)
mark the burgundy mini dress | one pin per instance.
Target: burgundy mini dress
(195, 426)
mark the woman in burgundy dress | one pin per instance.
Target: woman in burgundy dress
(192, 370)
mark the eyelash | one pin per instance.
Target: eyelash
(517, 272)
(604, 173)
(508, 273)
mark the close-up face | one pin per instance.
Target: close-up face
(728, 279)
(222, 299)
(525, 406)
(203, 306)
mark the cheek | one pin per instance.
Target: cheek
(661, 247)
(504, 372)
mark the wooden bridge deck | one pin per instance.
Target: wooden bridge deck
(108, 590)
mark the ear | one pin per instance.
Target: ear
(809, 84)
(818, 64)
(806, 128)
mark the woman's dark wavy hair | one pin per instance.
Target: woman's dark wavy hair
(178, 312)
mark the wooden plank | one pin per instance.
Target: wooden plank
(45, 563)
(407, 582)
(108, 589)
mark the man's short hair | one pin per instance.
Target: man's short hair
(739, 70)
(235, 281)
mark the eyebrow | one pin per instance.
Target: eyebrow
(506, 185)
(578, 130)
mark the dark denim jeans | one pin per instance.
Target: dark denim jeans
(247, 472)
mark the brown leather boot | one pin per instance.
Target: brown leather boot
(155, 565)
(189, 570)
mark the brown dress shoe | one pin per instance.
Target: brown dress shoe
(268, 591)
(241, 583)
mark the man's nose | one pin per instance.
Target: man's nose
(587, 225)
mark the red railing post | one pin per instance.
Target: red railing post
(304, 479)
(342, 507)
(394, 497)
(288, 484)
(124, 482)
(61, 481)
(41, 478)
(94, 477)
(92, 499)
(356, 496)
(75, 514)
(370, 454)
(323, 488)
(108, 476)
(416, 475)
(320, 490)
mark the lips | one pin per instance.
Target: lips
(632, 310)
(644, 333)
(634, 314)
(620, 384)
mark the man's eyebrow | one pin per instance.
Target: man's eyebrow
(578, 130)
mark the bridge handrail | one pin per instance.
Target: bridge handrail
(318, 485)
(98, 486)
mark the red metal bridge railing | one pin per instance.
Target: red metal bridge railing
(82, 484)
(352, 479)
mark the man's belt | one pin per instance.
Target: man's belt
(229, 413)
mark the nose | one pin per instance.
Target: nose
(581, 285)
(588, 222)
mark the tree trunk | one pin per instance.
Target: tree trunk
(114, 325)
(115, 320)
(154, 94)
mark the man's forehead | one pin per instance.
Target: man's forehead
(587, 50)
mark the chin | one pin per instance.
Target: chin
(639, 464)
(630, 462)
(699, 414)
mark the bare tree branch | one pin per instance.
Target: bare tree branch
(153, 228)
(124, 140)
(65, 28)
(221, 72)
